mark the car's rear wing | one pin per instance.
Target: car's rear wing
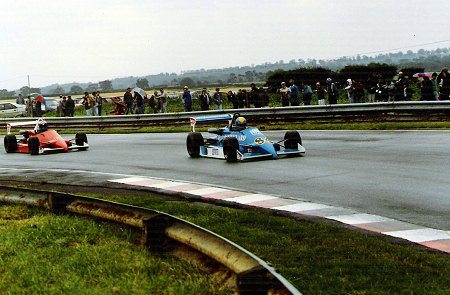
(209, 118)
(20, 124)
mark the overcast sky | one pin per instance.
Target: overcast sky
(58, 41)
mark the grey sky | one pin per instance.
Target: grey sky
(65, 41)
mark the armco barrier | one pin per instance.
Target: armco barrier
(162, 232)
(398, 111)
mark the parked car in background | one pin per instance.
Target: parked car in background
(49, 104)
(9, 110)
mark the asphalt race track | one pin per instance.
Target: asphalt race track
(403, 175)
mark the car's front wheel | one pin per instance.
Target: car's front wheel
(33, 145)
(193, 143)
(230, 149)
(80, 140)
(10, 143)
(291, 140)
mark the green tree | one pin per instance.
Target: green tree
(7, 94)
(142, 83)
(187, 82)
(76, 89)
(58, 90)
(106, 85)
(92, 87)
(25, 90)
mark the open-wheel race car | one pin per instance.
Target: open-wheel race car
(41, 140)
(237, 142)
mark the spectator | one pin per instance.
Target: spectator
(38, 106)
(128, 100)
(92, 103)
(217, 100)
(254, 96)
(398, 88)
(98, 104)
(407, 92)
(264, 97)
(320, 94)
(70, 106)
(139, 100)
(204, 100)
(306, 93)
(427, 89)
(87, 103)
(349, 88)
(332, 91)
(20, 99)
(435, 85)
(162, 100)
(371, 87)
(187, 99)
(242, 98)
(444, 82)
(152, 102)
(233, 99)
(284, 94)
(381, 92)
(293, 93)
(62, 107)
(359, 93)
(391, 90)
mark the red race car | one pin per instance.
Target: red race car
(41, 140)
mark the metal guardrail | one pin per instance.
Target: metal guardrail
(398, 111)
(162, 232)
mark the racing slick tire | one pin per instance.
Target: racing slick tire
(33, 145)
(10, 143)
(80, 139)
(291, 139)
(193, 143)
(230, 148)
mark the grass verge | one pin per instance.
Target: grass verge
(42, 253)
(317, 257)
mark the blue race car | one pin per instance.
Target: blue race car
(237, 142)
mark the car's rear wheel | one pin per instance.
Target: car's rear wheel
(230, 148)
(10, 143)
(33, 145)
(80, 140)
(292, 139)
(193, 143)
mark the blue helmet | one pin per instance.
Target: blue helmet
(241, 122)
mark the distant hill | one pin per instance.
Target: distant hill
(431, 60)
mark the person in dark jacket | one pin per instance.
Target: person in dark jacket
(264, 97)
(427, 89)
(187, 99)
(128, 100)
(407, 92)
(320, 94)
(242, 98)
(306, 94)
(359, 93)
(70, 106)
(204, 100)
(139, 103)
(254, 96)
(233, 99)
(444, 81)
(332, 91)
(152, 102)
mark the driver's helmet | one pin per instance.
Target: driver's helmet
(241, 122)
(42, 126)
